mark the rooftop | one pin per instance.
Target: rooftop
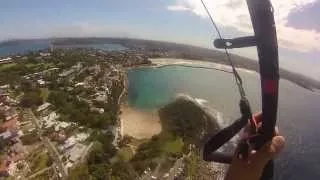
(43, 106)
(75, 152)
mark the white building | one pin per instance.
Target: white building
(71, 141)
(45, 54)
(43, 106)
(6, 60)
(41, 82)
(75, 153)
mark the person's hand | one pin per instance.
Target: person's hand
(251, 168)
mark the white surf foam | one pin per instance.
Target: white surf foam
(201, 101)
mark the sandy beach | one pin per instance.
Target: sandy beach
(159, 62)
(139, 124)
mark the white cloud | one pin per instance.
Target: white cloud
(234, 13)
(178, 8)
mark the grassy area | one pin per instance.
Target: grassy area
(9, 178)
(31, 65)
(173, 146)
(45, 175)
(39, 66)
(30, 138)
(7, 66)
(44, 93)
(40, 161)
(125, 154)
(191, 165)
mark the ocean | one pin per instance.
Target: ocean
(23, 47)
(105, 47)
(27, 46)
(298, 116)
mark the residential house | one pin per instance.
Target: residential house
(75, 153)
(9, 125)
(43, 109)
(8, 135)
(43, 54)
(6, 60)
(10, 114)
(41, 82)
(71, 141)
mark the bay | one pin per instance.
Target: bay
(104, 47)
(298, 116)
(25, 46)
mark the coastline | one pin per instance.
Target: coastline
(297, 79)
(134, 122)
(163, 62)
(139, 123)
(142, 124)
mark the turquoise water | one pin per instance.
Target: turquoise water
(151, 88)
(298, 120)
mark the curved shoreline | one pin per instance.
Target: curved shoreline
(163, 62)
(293, 77)
(144, 124)
(140, 116)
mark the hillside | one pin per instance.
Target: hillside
(192, 122)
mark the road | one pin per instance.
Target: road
(119, 132)
(176, 168)
(85, 153)
(39, 172)
(51, 148)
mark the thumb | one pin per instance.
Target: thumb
(269, 150)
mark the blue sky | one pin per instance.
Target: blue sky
(182, 21)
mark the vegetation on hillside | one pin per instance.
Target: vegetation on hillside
(73, 109)
(183, 118)
(183, 123)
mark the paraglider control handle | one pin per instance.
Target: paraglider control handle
(240, 42)
(224, 135)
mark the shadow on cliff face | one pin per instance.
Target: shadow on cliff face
(193, 122)
(189, 120)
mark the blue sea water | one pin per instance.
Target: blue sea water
(26, 46)
(23, 47)
(298, 117)
(104, 47)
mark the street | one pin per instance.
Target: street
(51, 148)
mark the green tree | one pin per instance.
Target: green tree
(122, 171)
(97, 154)
(29, 139)
(100, 171)
(31, 99)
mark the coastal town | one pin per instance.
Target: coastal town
(64, 115)
(53, 113)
